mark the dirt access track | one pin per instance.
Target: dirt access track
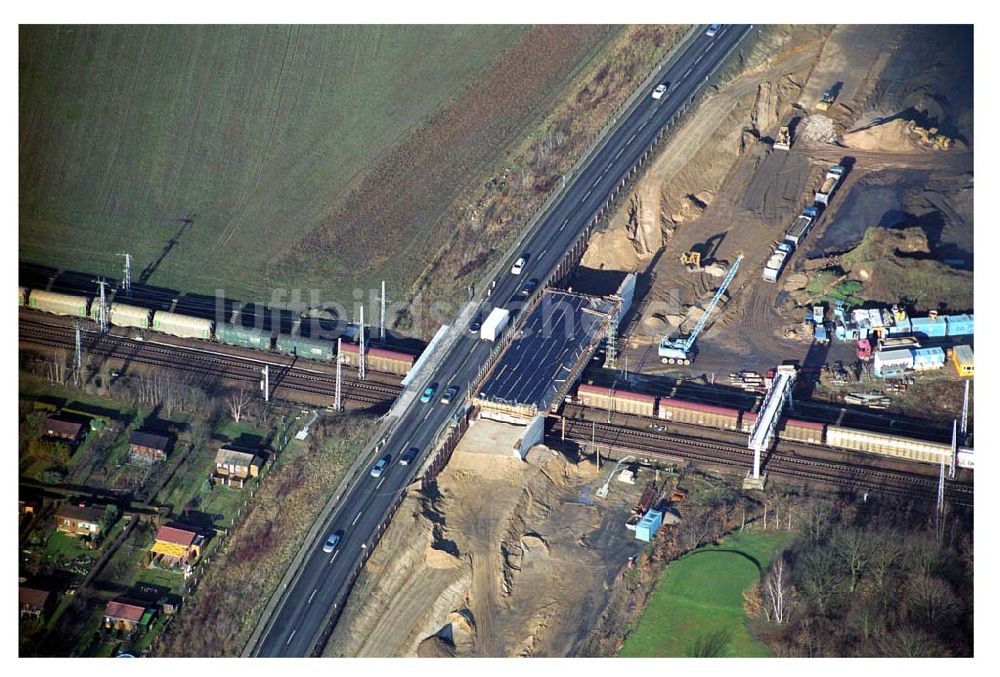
(506, 558)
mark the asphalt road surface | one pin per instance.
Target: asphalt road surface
(297, 623)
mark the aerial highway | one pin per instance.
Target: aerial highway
(300, 618)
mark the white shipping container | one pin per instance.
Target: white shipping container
(494, 324)
(893, 360)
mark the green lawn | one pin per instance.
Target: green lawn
(251, 135)
(62, 547)
(698, 603)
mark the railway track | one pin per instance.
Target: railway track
(855, 476)
(285, 374)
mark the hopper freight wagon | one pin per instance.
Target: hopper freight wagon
(792, 429)
(22, 296)
(389, 361)
(122, 315)
(244, 337)
(58, 304)
(379, 359)
(795, 430)
(620, 401)
(695, 413)
(887, 445)
(311, 349)
(183, 326)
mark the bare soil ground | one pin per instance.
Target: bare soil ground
(506, 558)
(718, 188)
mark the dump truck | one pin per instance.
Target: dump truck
(833, 176)
(494, 324)
(783, 141)
(829, 96)
(775, 264)
(800, 227)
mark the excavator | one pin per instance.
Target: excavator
(692, 260)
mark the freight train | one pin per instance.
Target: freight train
(186, 326)
(726, 418)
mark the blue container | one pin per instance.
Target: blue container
(961, 325)
(928, 358)
(649, 525)
(924, 326)
(901, 328)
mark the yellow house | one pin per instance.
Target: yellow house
(177, 545)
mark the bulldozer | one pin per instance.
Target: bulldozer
(829, 96)
(784, 139)
(931, 137)
(692, 260)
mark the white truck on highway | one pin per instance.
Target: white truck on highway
(833, 176)
(774, 265)
(494, 324)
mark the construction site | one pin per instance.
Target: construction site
(801, 254)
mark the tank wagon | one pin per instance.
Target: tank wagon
(808, 432)
(58, 304)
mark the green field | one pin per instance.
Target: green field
(698, 603)
(252, 135)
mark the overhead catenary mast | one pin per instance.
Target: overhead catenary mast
(127, 276)
(77, 356)
(102, 310)
(361, 346)
(338, 403)
(381, 324)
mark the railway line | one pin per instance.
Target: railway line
(783, 461)
(285, 376)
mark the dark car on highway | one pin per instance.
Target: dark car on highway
(529, 286)
(409, 456)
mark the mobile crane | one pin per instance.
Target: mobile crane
(678, 350)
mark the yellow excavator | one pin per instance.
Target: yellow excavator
(692, 260)
(931, 137)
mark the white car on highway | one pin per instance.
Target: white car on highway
(518, 266)
(712, 30)
(659, 91)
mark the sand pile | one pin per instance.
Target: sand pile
(895, 136)
(439, 559)
(436, 646)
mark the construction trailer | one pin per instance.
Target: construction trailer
(962, 358)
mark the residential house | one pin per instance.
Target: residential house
(33, 602)
(126, 616)
(79, 520)
(146, 448)
(64, 429)
(236, 467)
(177, 545)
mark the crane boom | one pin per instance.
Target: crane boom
(677, 350)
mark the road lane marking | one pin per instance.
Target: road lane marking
(609, 164)
(700, 56)
(710, 45)
(334, 556)
(620, 151)
(379, 485)
(587, 195)
(630, 139)
(356, 519)
(597, 181)
(686, 74)
(290, 638)
(312, 595)
(543, 252)
(563, 225)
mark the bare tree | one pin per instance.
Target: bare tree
(777, 603)
(238, 401)
(854, 549)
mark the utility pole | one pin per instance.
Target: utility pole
(593, 441)
(381, 324)
(78, 356)
(265, 383)
(940, 496)
(102, 311)
(337, 402)
(361, 346)
(127, 277)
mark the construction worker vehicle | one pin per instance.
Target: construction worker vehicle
(829, 96)
(679, 350)
(784, 139)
